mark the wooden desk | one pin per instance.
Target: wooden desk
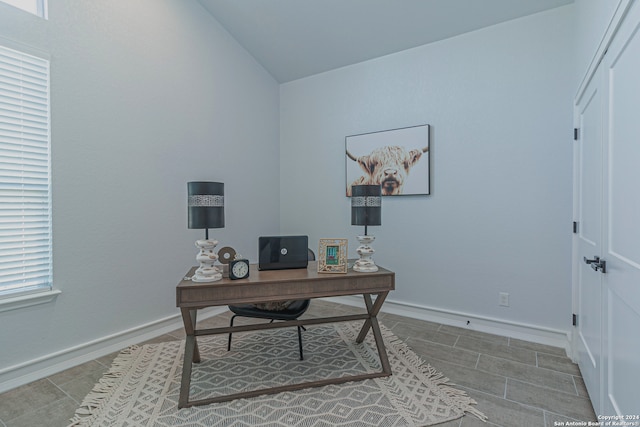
(279, 285)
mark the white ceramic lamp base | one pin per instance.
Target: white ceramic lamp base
(207, 271)
(365, 264)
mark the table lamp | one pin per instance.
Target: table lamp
(206, 210)
(366, 209)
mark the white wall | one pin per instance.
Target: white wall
(499, 217)
(146, 96)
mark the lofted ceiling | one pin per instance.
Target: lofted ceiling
(298, 38)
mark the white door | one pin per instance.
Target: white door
(621, 248)
(588, 205)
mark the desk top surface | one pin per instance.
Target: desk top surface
(278, 285)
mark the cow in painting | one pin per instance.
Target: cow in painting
(387, 166)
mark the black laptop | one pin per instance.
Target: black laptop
(282, 252)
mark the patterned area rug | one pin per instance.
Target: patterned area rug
(143, 385)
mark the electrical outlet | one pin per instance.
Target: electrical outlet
(503, 299)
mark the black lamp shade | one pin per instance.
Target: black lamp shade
(366, 205)
(206, 204)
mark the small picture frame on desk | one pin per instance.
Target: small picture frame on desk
(332, 256)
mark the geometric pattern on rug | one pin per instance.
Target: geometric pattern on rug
(143, 385)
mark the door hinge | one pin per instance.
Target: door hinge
(575, 227)
(575, 320)
(575, 134)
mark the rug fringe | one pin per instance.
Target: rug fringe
(458, 397)
(104, 388)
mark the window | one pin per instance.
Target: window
(25, 185)
(37, 7)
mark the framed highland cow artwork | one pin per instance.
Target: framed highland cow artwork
(397, 159)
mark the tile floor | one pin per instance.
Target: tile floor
(516, 383)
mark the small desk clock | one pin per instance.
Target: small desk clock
(238, 269)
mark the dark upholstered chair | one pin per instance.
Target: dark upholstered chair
(292, 312)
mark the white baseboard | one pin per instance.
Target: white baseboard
(42, 367)
(35, 369)
(506, 328)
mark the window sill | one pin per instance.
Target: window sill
(28, 300)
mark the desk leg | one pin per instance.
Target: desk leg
(191, 355)
(372, 322)
(189, 320)
(372, 310)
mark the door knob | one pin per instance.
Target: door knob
(597, 264)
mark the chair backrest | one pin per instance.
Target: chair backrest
(311, 255)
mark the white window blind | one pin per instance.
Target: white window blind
(25, 196)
